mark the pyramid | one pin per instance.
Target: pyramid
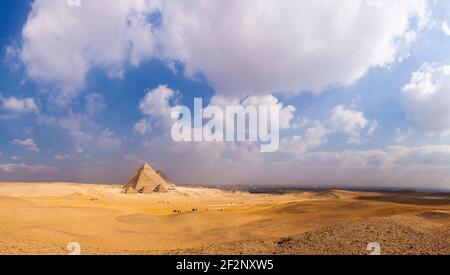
(165, 177)
(146, 180)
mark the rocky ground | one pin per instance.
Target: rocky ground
(398, 235)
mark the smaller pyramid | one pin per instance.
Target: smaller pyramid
(146, 180)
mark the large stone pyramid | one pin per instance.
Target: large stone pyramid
(147, 180)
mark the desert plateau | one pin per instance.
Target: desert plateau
(43, 218)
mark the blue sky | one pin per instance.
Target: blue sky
(364, 85)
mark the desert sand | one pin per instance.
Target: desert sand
(42, 218)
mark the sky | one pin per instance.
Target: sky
(364, 89)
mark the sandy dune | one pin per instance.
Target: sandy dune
(42, 218)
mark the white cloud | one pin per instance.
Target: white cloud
(24, 168)
(300, 122)
(401, 136)
(426, 97)
(286, 114)
(260, 47)
(76, 125)
(142, 126)
(62, 157)
(108, 139)
(11, 57)
(84, 131)
(29, 144)
(95, 104)
(445, 28)
(19, 106)
(156, 107)
(351, 122)
(242, 48)
(312, 138)
(61, 43)
(372, 127)
(156, 102)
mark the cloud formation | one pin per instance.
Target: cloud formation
(312, 138)
(288, 46)
(22, 167)
(156, 107)
(242, 48)
(28, 144)
(108, 139)
(351, 122)
(19, 106)
(95, 103)
(61, 44)
(250, 53)
(156, 102)
(426, 98)
(62, 157)
(445, 28)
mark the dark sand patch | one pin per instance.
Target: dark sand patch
(410, 199)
